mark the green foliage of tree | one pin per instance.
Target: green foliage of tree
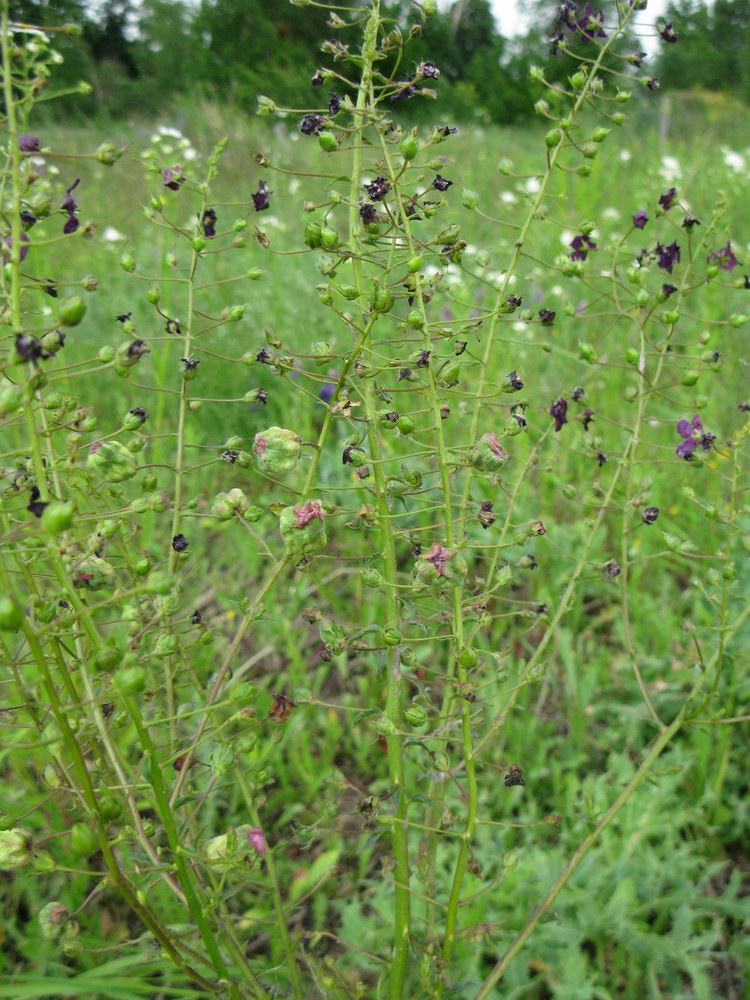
(712, 51)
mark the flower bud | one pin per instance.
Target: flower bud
(223, 761)
(127, 262)
(108, 153)
(553, 138)
(328, 142)
(55, 921)
(690, 378)
(243, 694)
(469, 199)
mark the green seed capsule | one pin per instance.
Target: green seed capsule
(328, 142)
(57, 517)
(409, 147)
(131, 680)
(83, 840)
(71, 311)
(11, 615)
(415, 715)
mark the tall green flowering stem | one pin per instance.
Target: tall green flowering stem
(399, 831)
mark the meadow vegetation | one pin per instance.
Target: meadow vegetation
(374, 539)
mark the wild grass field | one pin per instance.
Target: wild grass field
(657, 907)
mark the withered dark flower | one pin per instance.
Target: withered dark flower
(281, 708)
(312, 124)
(36, 505)
(441, 183)
(180, 543)
(650, 514)
(378, 189)
(514, 776)
(261, 197)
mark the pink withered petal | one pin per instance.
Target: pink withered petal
(256, 840)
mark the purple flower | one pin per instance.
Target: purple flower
(640, 219)
(668, 256)
(367, 213)
(654, 83)
(667, 290)
(28, 143)
(586, 417)
(8, 241)
(261, 196)
(650, 514)
(547, 316)
(693, 433)
(689, 221)
(69, 205)
(441, 183)
(180, 543)
(173, 178)
(334, 103)
(566, 14)
(428, 70)
(326, 392)
(724, 257)
(667, 200)
(592, 24)
(559, 410)
(581, 246)
(256, 840)
(667, 33)
(208, 222)
(317, 78)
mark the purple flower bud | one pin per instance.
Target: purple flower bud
(8, 241)
(334, 103)
(689, 221)
(667, 200)
(208, 223)
(547, 317)
(667, 33)
(640, 218)
(650, 515)
(559, 410)
(69, 204)
(28, 143)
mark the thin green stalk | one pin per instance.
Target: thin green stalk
(194, 904)
(273, 877)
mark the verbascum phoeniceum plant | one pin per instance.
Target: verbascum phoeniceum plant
(410, 530)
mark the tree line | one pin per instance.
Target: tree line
(148, 54)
